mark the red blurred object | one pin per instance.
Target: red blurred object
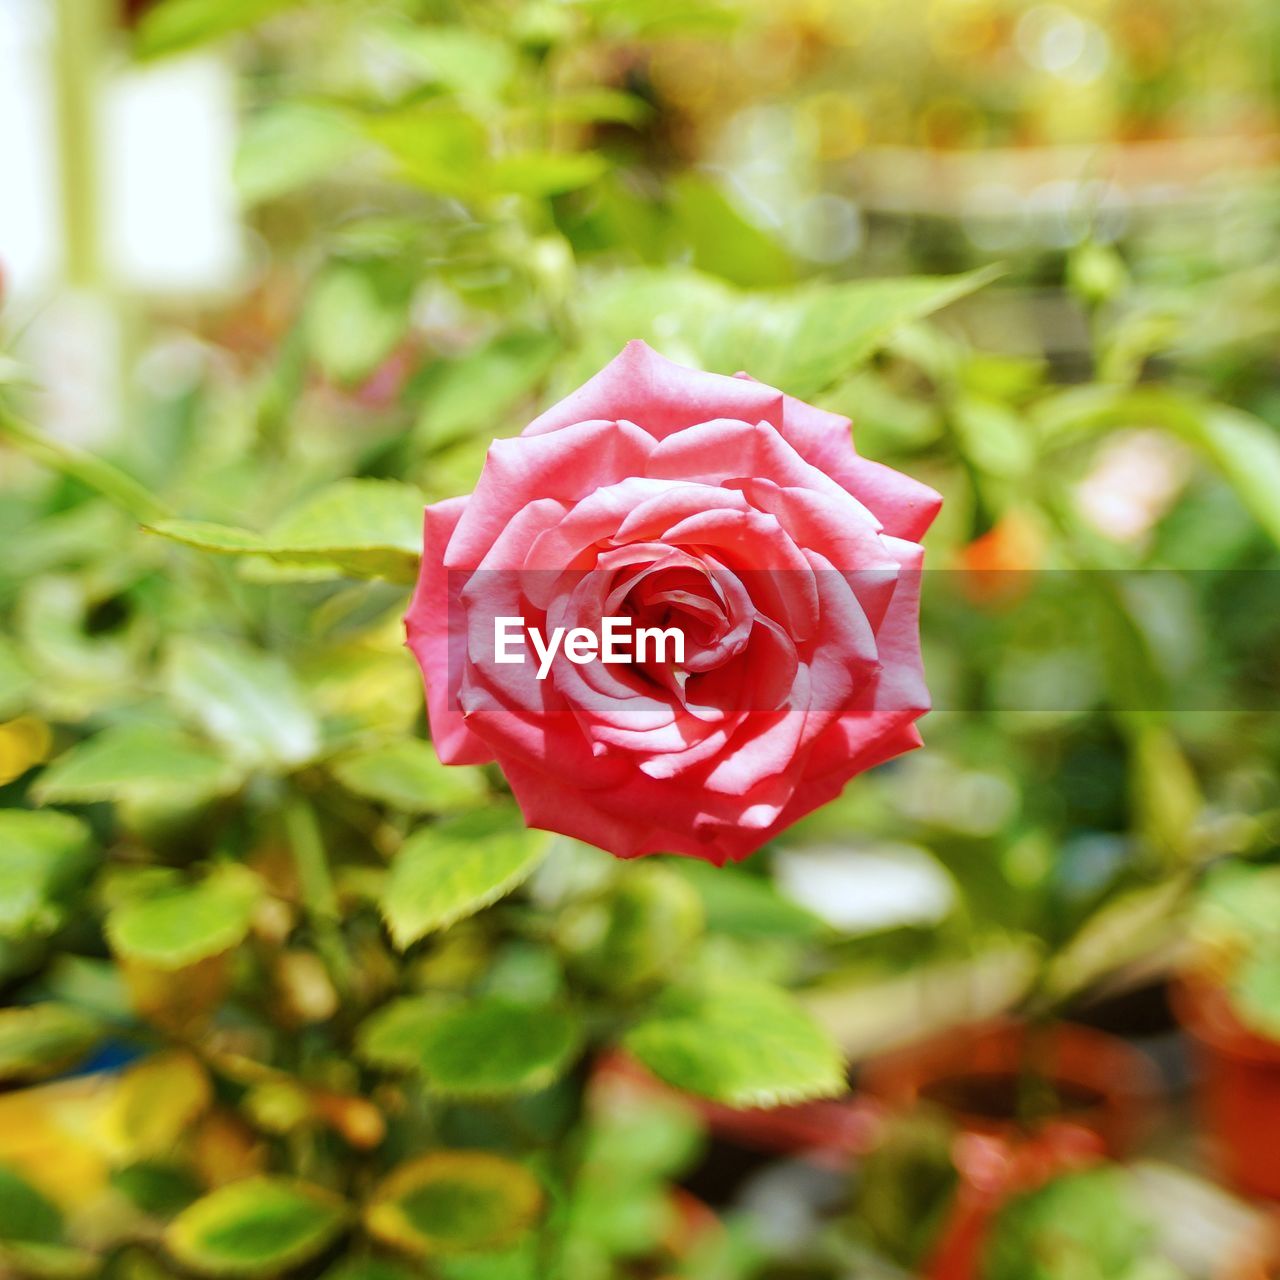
(1239, 1088)
(1105, 1092)
(993, 1168)
(1103, 1085)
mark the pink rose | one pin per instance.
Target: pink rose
(711, 507)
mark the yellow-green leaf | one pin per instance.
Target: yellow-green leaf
(175, 25)
(40, 1040)
(445, 872)
(173, 926)
(454, 1202)
(255, 1227)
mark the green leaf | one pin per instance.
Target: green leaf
(438, 147)
(598, 103)
(1081, 1223)
(42, 856)
(724, 243)
(488, 1047)
(1255, 990)
(408, 776)
(472, 63)
(204, 535)
(653, 19)
(1245, 449)
(15, 680)
(473, 392)
(247, 701)
(641, 930)
(255, 1227)
(132, 760)
(372, 528)
(289, 145)
(544, 173)
(445, 872)
(40, 1040)
(175, 25)
(801, 343)
(746, 905)
(27, 1216)
(157, 1188)
(173, 926)
(454, 1202)
(742, 1043)
(364, 528)
(1247, 452)
(356, 315)
(90, 470)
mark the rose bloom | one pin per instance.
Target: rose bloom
(676, 498)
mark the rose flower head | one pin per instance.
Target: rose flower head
(679, 611)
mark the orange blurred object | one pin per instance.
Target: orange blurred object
(997, 566)
(1104, 1094)
(1239, 1088)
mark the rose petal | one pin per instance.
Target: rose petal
(660, 396)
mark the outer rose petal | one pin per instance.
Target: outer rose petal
(904, 506)
(427, 624)
(661, 396)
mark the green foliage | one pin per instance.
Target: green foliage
(485, 1047)
(1082, 1226)
(32, 1234)
(26, 1216)
(42, 857)
(744, 905)
(473, 392)
(408, 776)
(1236, 928)
(289, 145)
(446, 872)
(454, 1202)
(364, 528)
(355, 317)
(737, 1042)
(136, 760)
(639, 932)
(176, 25)
(382, 982)
(172, 924)
(42, 1039)
(801, 341)
(248, 702)
(908, 1187)
(256, 1227)
(1256, 991)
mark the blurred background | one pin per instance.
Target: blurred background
(271, 274)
